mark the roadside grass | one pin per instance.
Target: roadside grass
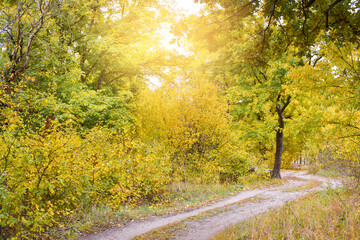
(255, 181)
(167, 232)
(311, 184)
(179, 197)
(171, 230)
(327, 214)
(332, 174)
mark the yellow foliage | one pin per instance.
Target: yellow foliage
(46, 176)
(192, 121)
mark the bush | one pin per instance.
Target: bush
(49, 175)
(342, 156)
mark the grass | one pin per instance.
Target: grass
(179, 197)
(259, 182)
(168, 232)
(219, 210)
(182, 196)
(311, 184)
(332, 174)
(171, 230)
(328, 214)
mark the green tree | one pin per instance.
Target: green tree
(264, 41)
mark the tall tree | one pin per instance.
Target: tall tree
(91, 57)
(21, 24)
(257, 35)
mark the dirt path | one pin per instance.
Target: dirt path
(211, 219)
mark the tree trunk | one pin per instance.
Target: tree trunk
(279, 138)
(278, 154)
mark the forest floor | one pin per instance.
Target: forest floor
(207, 221)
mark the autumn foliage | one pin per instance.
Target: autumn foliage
(95, 109)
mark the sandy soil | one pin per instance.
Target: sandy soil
(206, 227)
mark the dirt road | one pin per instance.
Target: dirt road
(207, 221)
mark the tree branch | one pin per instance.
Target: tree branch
(309, 3)
(239, 11)
(231, 16)
(319, 58)
(264, 76)
(344, 124)
(116, 78)
(257, 78)
(268, 26)
(333, 5)
(286, 103)
(328, 9)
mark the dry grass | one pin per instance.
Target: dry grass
(179, 197)
(311, 184)
(167, 232)
(329, 214)
(171, 230)
(260, 181)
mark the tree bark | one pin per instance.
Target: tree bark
(279, 138)
(279, 146)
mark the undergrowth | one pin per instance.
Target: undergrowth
(328, 214)
(332, 174)
(178, 197)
